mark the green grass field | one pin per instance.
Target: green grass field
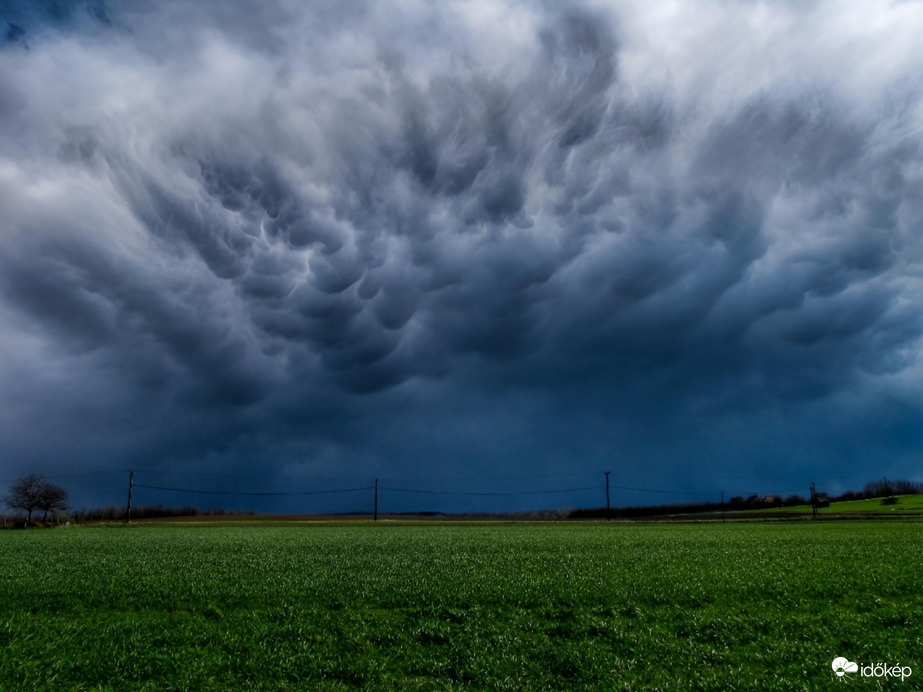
(680, 607)
(906, 504)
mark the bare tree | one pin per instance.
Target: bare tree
(54, 498)
(32, 491)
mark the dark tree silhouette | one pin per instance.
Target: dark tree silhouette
(54, 498)
(31, 492)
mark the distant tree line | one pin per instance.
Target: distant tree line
(737, 503)
(148, 512)
(883, 488)
(887, 488)
(33, 492)
(140, 512)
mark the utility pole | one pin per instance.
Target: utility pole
(131, 482)
(376, 501)
(608, 513)
(813, 502)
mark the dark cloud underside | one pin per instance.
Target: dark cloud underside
(254, 235)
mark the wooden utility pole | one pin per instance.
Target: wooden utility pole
(131, 482)
(608, 513)
(813, 502)
(376, 501)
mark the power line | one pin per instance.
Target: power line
(452, 492)
(661, 492)
(70, 475)
(215, 474)
(389, 478)
(417, 479)
(488, 478)
(248, 494)
(84, 491)
(90, 473)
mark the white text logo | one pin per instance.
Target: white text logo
(842, 666)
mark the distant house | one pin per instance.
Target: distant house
(768, 500)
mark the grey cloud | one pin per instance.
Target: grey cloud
(312, 221)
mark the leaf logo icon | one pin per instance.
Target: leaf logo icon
(841, 666)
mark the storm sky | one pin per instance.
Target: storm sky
(465, 246)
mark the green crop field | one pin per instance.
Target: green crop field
(588, 606)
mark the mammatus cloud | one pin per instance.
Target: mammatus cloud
(257, 231)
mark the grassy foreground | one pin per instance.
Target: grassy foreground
(716, 607)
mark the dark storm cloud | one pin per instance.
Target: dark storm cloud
(23, 20)
(255, 231)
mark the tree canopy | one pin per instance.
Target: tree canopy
(33, 491)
